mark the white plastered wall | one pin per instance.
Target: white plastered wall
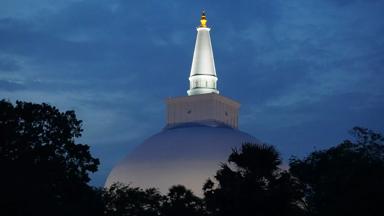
(203, 107)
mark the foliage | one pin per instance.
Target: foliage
(181, 201)
(124, 200)
(252, 182)
(121, 200)
(44, 172)
(347, 179)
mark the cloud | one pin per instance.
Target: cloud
(28, 9)
(10, 86)
(9, 64)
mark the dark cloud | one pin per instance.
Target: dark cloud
(10, 86)
(9, 64)
(349, 2)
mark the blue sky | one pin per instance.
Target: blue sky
(304, 71)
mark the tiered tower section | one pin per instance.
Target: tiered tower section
(203, 79)
(203, 103)
(204, 108)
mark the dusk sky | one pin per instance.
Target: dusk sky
(305, 71)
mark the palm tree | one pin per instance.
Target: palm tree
(251, 182)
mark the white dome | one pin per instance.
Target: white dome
(186, 154)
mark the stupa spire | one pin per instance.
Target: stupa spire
(202, 78)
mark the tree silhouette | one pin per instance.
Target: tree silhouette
(181, 201)
(124, 200)
(347, 179)
(44, 172)
(251, 183)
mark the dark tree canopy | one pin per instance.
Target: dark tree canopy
(251, 183)
(124, 200)
(44, 172)
(181, 201)
(347, 179)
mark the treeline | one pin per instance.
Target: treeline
(45, 172)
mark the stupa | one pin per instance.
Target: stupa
(200, 132)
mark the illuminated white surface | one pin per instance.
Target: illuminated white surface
(203, 79)
(187, 154)
(202, 107)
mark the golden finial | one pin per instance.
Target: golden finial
(203, 20)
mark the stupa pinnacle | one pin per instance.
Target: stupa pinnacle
(203, 79)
